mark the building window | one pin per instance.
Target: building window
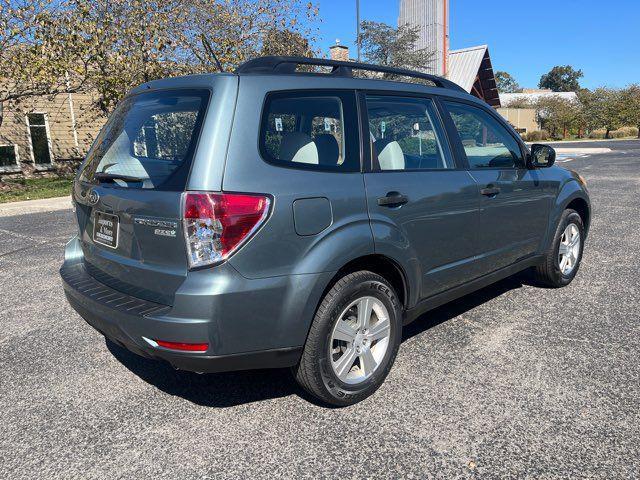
(40, 140)
(8, 156)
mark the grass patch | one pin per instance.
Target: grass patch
(34, 188)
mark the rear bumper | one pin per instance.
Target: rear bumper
(126, 321)
(248, 323)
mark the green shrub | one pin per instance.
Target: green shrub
(629, 131)
(537, 135)
(617, 134)
(597, 133)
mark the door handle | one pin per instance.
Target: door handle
(490, 191)
(393, 199)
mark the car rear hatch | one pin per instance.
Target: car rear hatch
(129, 191)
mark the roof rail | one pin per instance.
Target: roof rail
(288, 65)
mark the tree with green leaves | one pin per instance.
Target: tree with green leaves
(389, 46)
(562, 79)
(107, 47)
(129, 42)
(558, 115)
(630, 101)
(238, 30)
(523, 102)
(603, 108)
(125, 42)
(39, 54)
(286, 42)
(506, 83)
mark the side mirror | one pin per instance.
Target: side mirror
(542, 156)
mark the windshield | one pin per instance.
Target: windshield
(149, 141)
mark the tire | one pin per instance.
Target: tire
(327, 351)
(550, 272)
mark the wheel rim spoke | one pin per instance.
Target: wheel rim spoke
(379, 330)
(344, 332)
(365, 308)
(563, 263)
(345, 362)
(367, 363)
(575, 241)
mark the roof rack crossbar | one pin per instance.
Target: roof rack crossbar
(288, 65)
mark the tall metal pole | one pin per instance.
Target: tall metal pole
(358, 27)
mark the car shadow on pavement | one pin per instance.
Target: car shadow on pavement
(211, 389)
(236, 388)
(464, 304)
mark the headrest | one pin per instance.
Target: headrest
(391, 157)
(298, 147)
(328, 149)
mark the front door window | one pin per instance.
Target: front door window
(487, 144)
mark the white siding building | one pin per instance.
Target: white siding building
(534, 95)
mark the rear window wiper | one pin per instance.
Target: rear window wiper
(109, 177)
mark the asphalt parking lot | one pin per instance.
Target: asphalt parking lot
(511, 381)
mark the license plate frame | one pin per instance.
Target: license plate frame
(106, 229)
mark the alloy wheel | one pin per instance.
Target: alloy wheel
(360, 340)
(569, 249)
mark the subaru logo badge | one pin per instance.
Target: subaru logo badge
(93, 197)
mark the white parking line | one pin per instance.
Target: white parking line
(563, 158)
(565, 154)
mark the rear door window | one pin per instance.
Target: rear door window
(311, 130)
(149, 141)
(405, 134)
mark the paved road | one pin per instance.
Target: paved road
(513, 380)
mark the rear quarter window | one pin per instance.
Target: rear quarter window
(315, 130)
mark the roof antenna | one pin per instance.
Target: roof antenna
(207, 47)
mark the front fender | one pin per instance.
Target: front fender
(569, 191)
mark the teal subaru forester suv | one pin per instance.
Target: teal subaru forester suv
(298, 217)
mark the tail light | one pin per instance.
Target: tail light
(217, 224)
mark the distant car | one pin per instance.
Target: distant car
(277, 218)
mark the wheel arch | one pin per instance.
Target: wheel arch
(581, 206)
(383, 266)
(571, 195)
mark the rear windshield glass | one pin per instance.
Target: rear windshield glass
(148, 141)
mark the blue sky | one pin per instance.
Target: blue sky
(601, 38)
